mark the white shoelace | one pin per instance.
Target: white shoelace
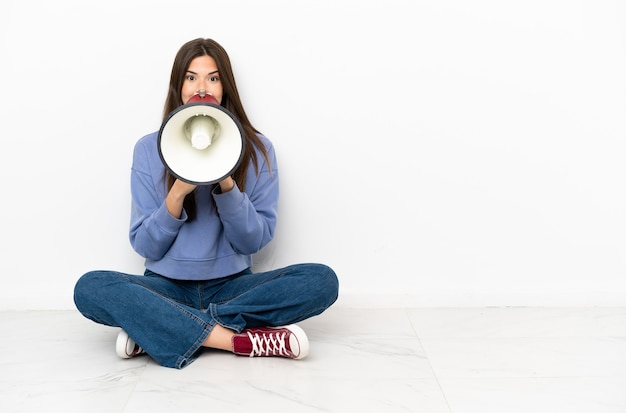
(268, 344)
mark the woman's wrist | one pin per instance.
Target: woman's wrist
(227, 184)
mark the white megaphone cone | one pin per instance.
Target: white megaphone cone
(201, 142)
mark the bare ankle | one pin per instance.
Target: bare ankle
(220, 338)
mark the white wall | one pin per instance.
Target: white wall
(435, 152)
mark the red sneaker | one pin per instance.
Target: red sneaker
(289, 341)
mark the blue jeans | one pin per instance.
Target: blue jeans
(170, 319)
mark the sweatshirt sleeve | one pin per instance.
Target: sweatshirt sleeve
(249, 217)
(152, 228)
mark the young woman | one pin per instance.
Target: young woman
(198, 289)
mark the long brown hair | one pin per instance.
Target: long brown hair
(230, 101)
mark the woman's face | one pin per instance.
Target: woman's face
(202, 75)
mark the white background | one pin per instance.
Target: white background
(435, 152)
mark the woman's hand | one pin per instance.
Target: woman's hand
(176, 197)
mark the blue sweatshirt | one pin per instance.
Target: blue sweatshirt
(228, 227)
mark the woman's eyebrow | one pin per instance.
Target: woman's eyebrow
(194, 73)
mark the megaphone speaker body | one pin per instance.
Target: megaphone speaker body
(201, 143)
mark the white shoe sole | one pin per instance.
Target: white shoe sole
(122, 345)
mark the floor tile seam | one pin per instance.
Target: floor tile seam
(535, 377)
(524, 337)
(131, 393)
(368, 337)
(430, 365)
(435, 376)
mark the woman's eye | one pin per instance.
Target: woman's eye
(214, 79)
(190, 77)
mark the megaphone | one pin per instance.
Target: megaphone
(200, 142)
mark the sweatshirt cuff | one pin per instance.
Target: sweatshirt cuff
(229, 200)
(167, 222)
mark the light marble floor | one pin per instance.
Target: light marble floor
(455, 360)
